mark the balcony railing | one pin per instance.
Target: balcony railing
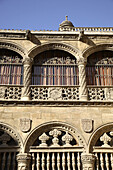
(56, 93)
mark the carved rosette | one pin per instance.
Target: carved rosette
(27, 78)
(23, 160)
(88, 161)
(55, 93)
(82, 79)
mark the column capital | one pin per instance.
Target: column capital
(88, 161)
(27, 61)
(81, 61)
(23, 160)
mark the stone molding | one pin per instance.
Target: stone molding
(52, 46)
(13, 46)
(98, 47)
(11, 132)
(50, 125)
(98, 133)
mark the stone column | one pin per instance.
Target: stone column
(82, 80)
(88, 161)
(27, 63)
(23, 160)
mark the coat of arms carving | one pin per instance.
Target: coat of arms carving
(25, 125)
(87, 125)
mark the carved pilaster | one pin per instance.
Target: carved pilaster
(27, 78)
(82, 79)
(23, 160)
(88, 161)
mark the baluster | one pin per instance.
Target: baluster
(48, 161)
(14, 160)
(33, 161)
(63, 161)
(9, 161)
(43, 161)
(58, 161)
(107, 161)
(101, 161)
(78, 160)
(97, 161)
(38, 162)
(4, 160)
(111, 160)
(53, 161)
(68, 160)
(73, 161)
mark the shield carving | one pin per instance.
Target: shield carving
(25, 124)
(87, 125)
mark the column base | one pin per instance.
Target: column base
(83, 98)
(25, 98)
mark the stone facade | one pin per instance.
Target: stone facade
(56, 132)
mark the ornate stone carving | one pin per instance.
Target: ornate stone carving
(105, 139)
(23, 161)
(55, 93)
(55, 133)
(27, 79)
(25, 125)
(2, 92)
(43, 139)
(4, 139)
(87, 125)
(67, 139)
(82, 79)
(53, 46)
(109, 93)
(13, 47)
(88, 161)
(11, 59)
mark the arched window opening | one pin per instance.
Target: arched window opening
(8, 150)
(101, 145)
(55, 67)
(99, 69)
(55, 148)
(11, 69)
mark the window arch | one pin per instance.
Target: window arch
(11, 69)
(55, 67)
(99, 68)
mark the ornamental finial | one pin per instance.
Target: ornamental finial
(66, 17)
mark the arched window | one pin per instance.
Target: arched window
(99, 69)
(55, 67)
(11, 69)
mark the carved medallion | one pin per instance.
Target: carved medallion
(55, 94)
(87, 125)
(109, 93)
(2, 92)
(25, 125)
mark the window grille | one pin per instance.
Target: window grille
(99, 69)
(11, 69)
(55, 67)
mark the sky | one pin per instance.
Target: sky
(48, 14)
